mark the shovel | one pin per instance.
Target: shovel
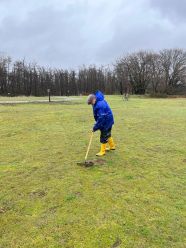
(87, 163)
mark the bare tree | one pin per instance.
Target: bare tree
(174, 64)
(135, 68)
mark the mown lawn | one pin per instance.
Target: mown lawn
(135, 200)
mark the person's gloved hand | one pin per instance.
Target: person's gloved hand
(93, 129)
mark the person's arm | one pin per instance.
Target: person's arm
(100, 119)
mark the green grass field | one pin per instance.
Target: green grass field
(135, 200)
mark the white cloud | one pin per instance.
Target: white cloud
(69, 33)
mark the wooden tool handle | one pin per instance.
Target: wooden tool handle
(88, 149)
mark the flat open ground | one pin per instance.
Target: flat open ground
(22, 99)
(135, 200)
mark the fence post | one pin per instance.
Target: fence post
(49, 95)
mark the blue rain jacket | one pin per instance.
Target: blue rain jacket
(102, 113)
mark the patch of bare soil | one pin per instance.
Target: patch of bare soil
(91, 163)
(2, 210)
(38, 193)
(117, 243)
(100, 161)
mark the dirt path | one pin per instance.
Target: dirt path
(64, 99)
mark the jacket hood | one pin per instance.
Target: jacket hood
(99, 96)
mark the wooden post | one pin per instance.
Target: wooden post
(49, 95)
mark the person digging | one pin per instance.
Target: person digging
(104, 121)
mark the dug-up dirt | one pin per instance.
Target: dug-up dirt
(91, 163)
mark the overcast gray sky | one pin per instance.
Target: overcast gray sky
(69, 33)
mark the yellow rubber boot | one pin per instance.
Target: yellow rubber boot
(111, 144)
(107, 147)
(102, 151)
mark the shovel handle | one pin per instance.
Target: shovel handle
(88, 149)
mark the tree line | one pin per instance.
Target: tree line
(142, 72)
(162, 72)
